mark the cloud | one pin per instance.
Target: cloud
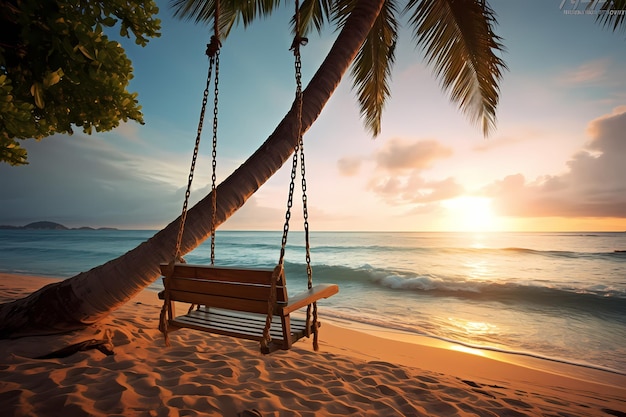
(414, 189)
(84, 181)
(253, 216)
(588, 73)
(397, 176)
(398, 155)
(488, 144)
(593, 186)
(130, 131)
(256, 215)
(425, 209)
(349, 167)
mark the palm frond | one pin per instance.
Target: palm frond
(250, 10)
(613, 14)
(313, 14)
(371, 69)
(460, 45)
(341, 10)
(231, 12)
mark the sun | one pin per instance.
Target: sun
(470, 214)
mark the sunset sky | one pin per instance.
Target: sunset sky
(555, 162)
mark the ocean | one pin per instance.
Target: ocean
(558, 296)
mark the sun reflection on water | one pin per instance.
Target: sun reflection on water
(478, 269)
(470, 350)
(473, 329)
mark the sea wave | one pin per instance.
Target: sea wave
(615, 254)
(599, 300)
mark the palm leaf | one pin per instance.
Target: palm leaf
(613, 14)
(371, 69)
(460, 45)
(314, 13)
(231, 12)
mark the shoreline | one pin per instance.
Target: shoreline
(525, 359)
(351, 357)
(338, 327)
(558, 366)
(453, 355)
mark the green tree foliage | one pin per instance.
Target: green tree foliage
(58, 67)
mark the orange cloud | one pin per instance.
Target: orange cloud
(593, 186)
(398, 175)
(414, 189)
(400, 155)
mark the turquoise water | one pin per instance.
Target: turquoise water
(552, 295)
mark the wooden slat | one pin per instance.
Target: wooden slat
(307, 297)
(251, 276)
(226, 289)
(248, 322)
(182, 322)
(252, 306)
(235, 302)
(245, 323)
(244, 276)
(237, 324)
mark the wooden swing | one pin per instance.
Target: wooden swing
(242, 302)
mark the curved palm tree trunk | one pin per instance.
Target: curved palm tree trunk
(89, 296)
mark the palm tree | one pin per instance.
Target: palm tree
(459, 43)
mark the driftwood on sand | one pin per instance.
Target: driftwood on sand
(103, 345)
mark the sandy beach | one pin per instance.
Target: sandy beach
(358, 371)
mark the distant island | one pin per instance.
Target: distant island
(44, 225)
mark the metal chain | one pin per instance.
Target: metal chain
(183, 216)
(298, 41)
(311, 310)
(305, 211)
(295, 47)
(294, 170)
(216, 58)
(278, 271)
(212, 51)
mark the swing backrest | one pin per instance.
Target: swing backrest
(222, 287)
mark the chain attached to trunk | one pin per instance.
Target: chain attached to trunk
(298, 156)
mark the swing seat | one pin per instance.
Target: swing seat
(234, 302)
